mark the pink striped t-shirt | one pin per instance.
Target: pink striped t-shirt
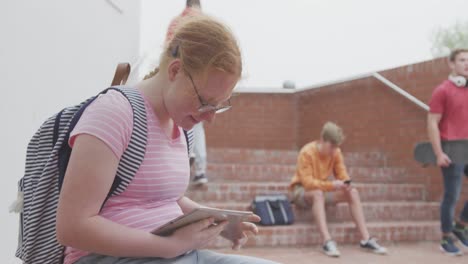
(150, 200)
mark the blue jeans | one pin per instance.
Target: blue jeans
(453, 180)
(194, 257)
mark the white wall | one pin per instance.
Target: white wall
(53, 53)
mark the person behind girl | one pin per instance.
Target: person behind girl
(198, 70)
(199, 155)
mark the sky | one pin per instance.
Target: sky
(315, 41)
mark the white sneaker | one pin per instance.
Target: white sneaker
(200, 179)
(373, 246)
(330, 249)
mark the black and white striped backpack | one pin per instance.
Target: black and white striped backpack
(47, 158)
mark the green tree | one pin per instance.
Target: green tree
(445, 39)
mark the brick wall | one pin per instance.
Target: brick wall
(421, 78)
(258, 121)
(374, 118)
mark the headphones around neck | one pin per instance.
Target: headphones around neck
(459, 81)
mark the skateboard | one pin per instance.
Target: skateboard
(456, 150)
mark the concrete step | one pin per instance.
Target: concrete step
(344, 233)
(373, 211)
(283, 173)
(287, 157)
(246, 191)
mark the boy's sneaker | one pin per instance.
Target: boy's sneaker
(462, 234)
(330, 249)
(200, 179)
(448, 247)
(373, 246)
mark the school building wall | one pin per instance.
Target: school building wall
(53, 54)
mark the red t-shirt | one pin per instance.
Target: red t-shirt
(188, 11)
(452, 102)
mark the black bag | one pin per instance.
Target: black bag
(273, 209)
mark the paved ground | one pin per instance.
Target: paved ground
(427, 253)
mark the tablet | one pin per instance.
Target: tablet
(219, 215)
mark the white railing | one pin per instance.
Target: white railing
(401, 91)
(114, 6)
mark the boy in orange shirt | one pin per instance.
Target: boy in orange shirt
(316, 162)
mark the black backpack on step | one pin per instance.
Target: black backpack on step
(273, 209)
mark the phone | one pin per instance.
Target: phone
(233, 217)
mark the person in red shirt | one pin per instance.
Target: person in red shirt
(448, 120)
(192, 8)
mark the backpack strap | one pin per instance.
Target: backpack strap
(134, 154)
(120, 78)
(189, 140)
(121, 74)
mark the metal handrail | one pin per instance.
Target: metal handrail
(401, 91)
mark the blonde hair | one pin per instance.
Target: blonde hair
(201, 43)
(332, 133)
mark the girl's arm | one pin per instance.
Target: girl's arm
(89, 176)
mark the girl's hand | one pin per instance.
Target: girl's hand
(197, 235)
(238, 232)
